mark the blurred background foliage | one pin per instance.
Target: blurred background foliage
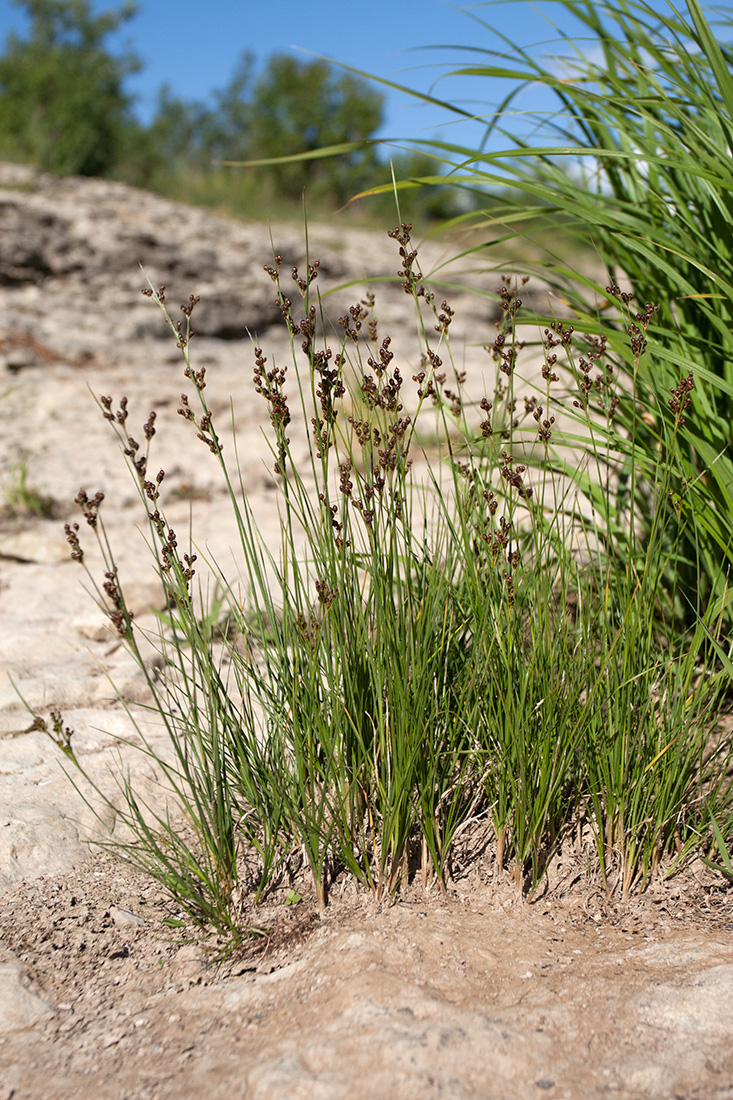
(63, 107)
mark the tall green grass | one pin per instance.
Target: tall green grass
(430, 678)
(634, 161)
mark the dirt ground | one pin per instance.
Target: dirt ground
(471, 995)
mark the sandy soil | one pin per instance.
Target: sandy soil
(473, 995)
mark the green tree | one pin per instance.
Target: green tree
(62, 103)
(302, 106)
(293, 107)
(193, 133)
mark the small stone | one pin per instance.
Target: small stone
(123, 917)
(20, 1005)
(112, 1038)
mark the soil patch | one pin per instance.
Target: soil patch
(471, 995)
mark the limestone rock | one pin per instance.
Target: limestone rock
(701, 1007)
(46, 548)
(51, 239)
(21, 1004)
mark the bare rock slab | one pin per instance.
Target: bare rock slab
(21, 1003)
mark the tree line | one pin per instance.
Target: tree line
(64, 107)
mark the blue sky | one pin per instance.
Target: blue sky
(193, 47)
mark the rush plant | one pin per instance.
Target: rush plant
(431, 658)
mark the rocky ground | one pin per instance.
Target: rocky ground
(472, 995)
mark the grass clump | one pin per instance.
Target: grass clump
(451, 665)
(21, 498)
(632, 160)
